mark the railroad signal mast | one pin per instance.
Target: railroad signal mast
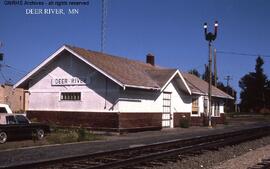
(209, 36)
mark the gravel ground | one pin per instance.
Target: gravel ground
(233, 157)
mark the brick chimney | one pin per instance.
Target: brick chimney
(150, 58)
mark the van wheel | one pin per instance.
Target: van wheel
(3, 137)
(40, 134)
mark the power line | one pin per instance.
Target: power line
(242, 54)
(15, 69)
(3, 76)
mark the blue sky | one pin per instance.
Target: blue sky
(170, 29)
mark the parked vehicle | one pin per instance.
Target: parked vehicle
(17, 126)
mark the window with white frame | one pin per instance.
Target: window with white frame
(71, 96)
(216, 109)
(195, 106)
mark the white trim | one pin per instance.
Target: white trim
(142, 87)
(95, 67)
(179, 73)
(198, 93)
(181, 77)
(90, 111)
(53, 56)
(128, 99)
(223, 97)
(39, 66)
(195, 115)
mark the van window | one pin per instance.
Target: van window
(3, 110)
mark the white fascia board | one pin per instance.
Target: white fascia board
(177, 72)
(142, 87)
(198, 93)
(95, 67)
(39, 66)
(54, 55)
(222, 97)
(185, 83)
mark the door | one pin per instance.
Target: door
(166, 115)
(24, 126)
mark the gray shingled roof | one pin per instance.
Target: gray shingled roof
(199, 86)
(127, 71)
(133, 73)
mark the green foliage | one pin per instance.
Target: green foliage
(194, 72)
(184, 122)
(229, 103)
(255, 89)
(85, 135)
(60, 136)
(205, 75)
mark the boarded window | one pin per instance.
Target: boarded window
(71, 96)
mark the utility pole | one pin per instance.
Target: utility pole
(1, 55)
(215, 67)
(103, 24)
(227, 78)
(210, 37)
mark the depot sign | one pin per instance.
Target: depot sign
(75, 81)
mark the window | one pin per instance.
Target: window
(216, 109)
(3, 110)
(166, 115)
(11, 120)
(22, 119)
(195, 106)
(71, 96)
(167, 102)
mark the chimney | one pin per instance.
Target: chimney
(150, 58)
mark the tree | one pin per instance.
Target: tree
(254, 89)
(229, 103)
(195, 72)
(205, 75)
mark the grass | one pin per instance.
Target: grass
(57, 136)
(60, 136)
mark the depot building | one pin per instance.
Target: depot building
(79, 87)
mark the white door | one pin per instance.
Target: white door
(166, 115)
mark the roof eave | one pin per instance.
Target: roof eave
(177, 72)
(141, 87)
(25, 78)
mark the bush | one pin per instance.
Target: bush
(184, 123)
(85, 135)
(60, 136)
